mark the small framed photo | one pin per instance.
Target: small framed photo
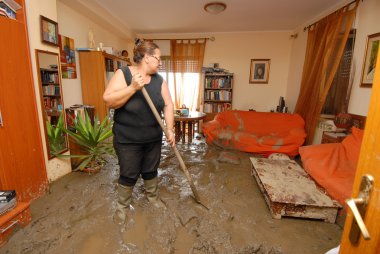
(259, 71)
(369, 64)
(49, 31)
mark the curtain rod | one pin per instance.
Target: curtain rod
(207, 38)
(307, 27)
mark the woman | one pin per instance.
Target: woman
(137, 134)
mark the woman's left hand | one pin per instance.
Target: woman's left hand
(171, 137)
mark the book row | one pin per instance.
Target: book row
(216, 107)
(51, 90)
(223, 82)
(52, 103)
(221, 95)
(48, 77)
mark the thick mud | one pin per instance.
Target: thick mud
(77, 215)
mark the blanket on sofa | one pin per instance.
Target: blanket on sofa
(333, 165)
(256, 132)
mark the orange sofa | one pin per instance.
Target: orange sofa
(256, 132)
(333, 166)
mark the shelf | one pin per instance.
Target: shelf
(49, 70)
(52, 95)
(206, 88)
(218, 74)
(53, 113)
(218, 101)
(47, 84)
(20, 215)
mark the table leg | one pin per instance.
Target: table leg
(177, 131)
(183, 131)
(190, 132)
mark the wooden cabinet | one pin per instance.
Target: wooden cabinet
(217, 95)
(333, 137)
(96, 69)
(22, 163)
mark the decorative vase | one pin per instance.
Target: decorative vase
(343, 120)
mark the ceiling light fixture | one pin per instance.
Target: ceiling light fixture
(215, 7)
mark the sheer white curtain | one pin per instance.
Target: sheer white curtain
(184, 77)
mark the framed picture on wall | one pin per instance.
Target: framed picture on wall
(49, 31)
(369, 64)
(259, 71)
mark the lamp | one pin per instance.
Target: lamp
(215, 7)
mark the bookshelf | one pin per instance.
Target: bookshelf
(51, 94)
(217, 97)
(96, 69)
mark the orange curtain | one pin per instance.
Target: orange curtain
(187, 60)
(325, 44)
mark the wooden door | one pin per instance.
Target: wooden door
(93, 76)
(22, 164)
(369, 163)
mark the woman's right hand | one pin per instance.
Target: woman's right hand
(137, 81)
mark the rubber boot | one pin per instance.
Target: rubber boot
(151, 189)
(123, 203)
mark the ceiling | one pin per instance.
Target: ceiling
(188, 16)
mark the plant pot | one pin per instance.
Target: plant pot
(92, 169)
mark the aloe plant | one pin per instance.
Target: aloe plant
(56, 136)
(93, 139)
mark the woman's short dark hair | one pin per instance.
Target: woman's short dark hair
(143, 48)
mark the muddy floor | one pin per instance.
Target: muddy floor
(77, 215)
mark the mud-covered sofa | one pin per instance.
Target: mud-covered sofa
(333, 165)
(257, 132)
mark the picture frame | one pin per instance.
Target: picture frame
(259, 71)
(369, 63)
(49, 31)
(67, 53)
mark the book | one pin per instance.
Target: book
(7, 195)
(5, 207)
(5, 7)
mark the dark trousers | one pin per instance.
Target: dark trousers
(138, 159)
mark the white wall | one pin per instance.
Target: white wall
(55, 167)
(76, 26)
(368, 22)
(234, 51)
(297, 60)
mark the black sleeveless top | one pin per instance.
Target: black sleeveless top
(134, 122)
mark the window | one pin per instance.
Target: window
(186, 86)
(338, 97)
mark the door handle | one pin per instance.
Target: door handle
(358, 208)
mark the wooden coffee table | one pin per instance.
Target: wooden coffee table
(289, 191)
(182, 121)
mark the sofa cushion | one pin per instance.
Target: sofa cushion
(333, 166)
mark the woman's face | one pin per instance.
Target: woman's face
(154, 61)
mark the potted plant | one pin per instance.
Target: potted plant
(56, 136)
(94, 140)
